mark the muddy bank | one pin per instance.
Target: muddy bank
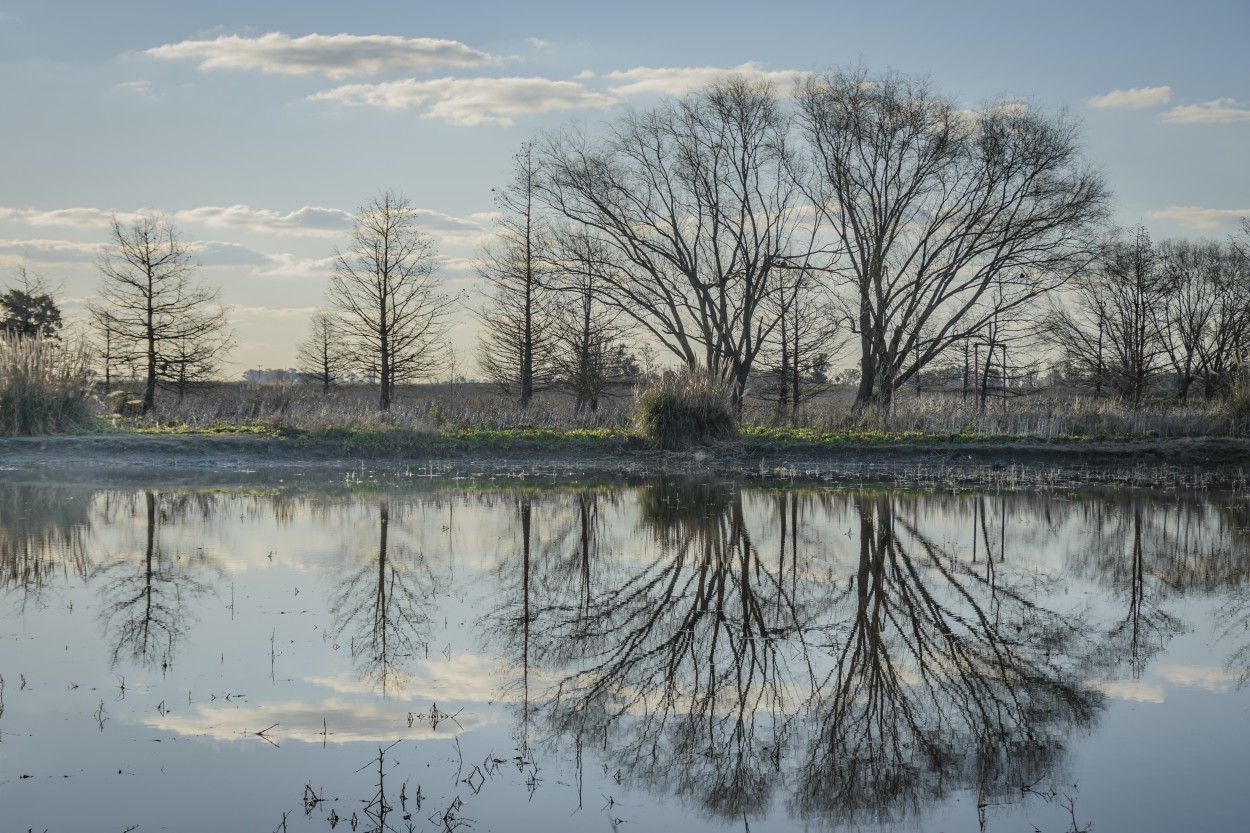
(199, 458)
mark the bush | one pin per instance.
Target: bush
(683, 409)
(44, 386)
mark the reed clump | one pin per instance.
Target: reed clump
(45, 386)
(685, 408)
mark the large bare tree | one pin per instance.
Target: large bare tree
(152, 311)
(394, 316)
(945, 217)
(695, 210)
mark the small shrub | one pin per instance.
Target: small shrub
(683, 409)
(44, 386)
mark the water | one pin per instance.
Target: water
(514, 656)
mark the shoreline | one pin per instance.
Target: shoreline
(1179, 463)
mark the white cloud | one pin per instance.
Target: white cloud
(83, 218)
(1201, 219)
(1218, 111)
(470, 101)
(220, 253)
(310, 220)
(271, 312)
(49, 251)
(1135, 98)
(289, 266)
(337, 56)
(680, 80)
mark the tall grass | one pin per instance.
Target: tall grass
(44, 386)
(685, 408)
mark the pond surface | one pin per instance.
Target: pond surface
(466, 655)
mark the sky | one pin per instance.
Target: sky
(259, 128)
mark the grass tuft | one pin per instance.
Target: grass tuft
(683, 409)
(44, 386)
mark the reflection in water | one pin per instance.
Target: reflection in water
(945, 677)
(869, 676)
(43, 535)
(840, 659)
(384, 607)
(146, 601)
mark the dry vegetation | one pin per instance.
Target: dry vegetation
(1044, 415)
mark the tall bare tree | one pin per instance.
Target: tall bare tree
(384, 288)
(152, 311)
(695, 210)
(516, 338)
(945, 217)
(321, 356)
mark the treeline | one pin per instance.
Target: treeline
(754, 237)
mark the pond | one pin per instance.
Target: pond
(531, 655)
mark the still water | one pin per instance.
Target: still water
(651, 655)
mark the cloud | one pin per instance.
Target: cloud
(310, 220)
(1218, 111)
(49, 251)
(1201, 219)
(680, 80)
(336, 56)
(1135, 98)
(271, 312)
(218, 253)
(84, 218)
(288, 266)
(470, 101)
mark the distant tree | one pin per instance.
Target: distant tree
(945, 218)
(1110, 326)
(590, 353)
(516, 337)
(321, 356)
(1206, 331)
(151, 311)
(28, 309)
(384, 290)
(795, 358)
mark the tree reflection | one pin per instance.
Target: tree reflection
(1148, 556)
(43, 535)
(384, 606)
(145, 602)
(694, 651)
(944, 677)
(869, 674)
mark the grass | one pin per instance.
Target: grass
(44, 386)
(471, 416)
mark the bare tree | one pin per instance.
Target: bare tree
(591, 352)
(385, 290)
(946, 218)
(151, 311)
(516, 339)
(321, 356)
(1110, 325)
(1206, 331)
(695, 210)
(796, 357)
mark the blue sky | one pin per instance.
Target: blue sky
(260, 139)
